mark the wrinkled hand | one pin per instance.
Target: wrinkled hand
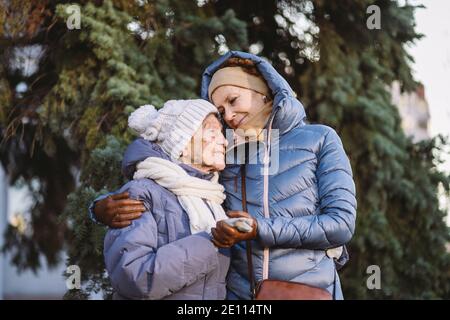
(117, 211)
(225, 236)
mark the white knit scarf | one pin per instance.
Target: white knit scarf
(190, 191)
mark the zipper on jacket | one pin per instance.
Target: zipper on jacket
(266, 196)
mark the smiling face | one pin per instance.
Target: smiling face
(207, 148)
(241, 108)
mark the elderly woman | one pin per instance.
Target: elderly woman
(167, 252)
(301, 198)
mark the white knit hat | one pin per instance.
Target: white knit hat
(172, 126)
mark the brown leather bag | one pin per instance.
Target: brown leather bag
(288, 290)
(276, 289)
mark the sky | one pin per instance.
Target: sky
(432, 62)
(432, 66)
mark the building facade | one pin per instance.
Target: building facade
(414, 111)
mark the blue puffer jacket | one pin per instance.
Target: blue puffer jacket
(156, 257)
(307, 203)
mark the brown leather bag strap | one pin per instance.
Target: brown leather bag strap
(251, 276)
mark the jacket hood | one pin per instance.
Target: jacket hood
(287, 113)
(140, 149)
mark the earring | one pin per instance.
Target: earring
(264, 99)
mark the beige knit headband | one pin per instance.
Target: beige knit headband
(235, 76)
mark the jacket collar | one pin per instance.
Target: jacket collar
(140, 149)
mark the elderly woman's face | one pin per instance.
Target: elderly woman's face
(208, 146)
(241, 108)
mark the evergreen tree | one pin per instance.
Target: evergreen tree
(89, 80)
(65, 134)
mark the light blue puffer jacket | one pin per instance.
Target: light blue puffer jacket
(157, 257)
(310, 198)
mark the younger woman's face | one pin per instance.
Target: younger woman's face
(241, 108)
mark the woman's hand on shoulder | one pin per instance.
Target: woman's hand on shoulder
(118, 211)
